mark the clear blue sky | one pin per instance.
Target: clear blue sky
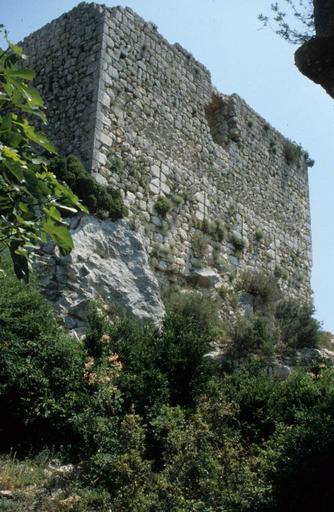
(243, 58)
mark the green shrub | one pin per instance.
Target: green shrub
(214, 228)
(237, 241)
(263, 287)
(258, 235)
(158, 366)
(163, 206)
(199, 243)
(101, 201)
(298, 327)
(120, 467)
(116, 165)
(41, 370)
(196, 309)
(157, 425)
(280, 272)
(177, 199)
(252, 335)
(272, 147)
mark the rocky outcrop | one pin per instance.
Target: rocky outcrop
(204, 278)
(108, 262)
(315, 58)
(304, 357)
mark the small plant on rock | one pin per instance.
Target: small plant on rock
(272, 147)
(263, 287)
(309, 162)
(280, 273)
(292, 152)
(258, 235)
(163, 206)
(237, 241)
(177, 199)
(199, 243)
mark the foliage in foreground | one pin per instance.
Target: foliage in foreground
(150, 422)
(31, 198)
(293, 20)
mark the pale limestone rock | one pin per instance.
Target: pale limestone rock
(108, 262)
(205, 277)
(279, 370)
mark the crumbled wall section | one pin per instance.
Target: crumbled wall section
(235, 195)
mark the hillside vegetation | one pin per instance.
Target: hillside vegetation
(137, 418)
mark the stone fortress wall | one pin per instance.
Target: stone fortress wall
(213, 188)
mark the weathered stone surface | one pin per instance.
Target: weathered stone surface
(280, 370)
(108, 262)
(305, 357)
(315, 57)
(204, 278)
(116, 89)
(315, 60)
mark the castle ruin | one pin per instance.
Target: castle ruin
(212, 187)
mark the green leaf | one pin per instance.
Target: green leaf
(20, 261)
(60, 234)
(39, 160)
(11, 153)
(35, 112)
(38, 138)
(25, 74)
(15, 170)
(53, 213)
(31, 197)
(33, 96)
(16, 49)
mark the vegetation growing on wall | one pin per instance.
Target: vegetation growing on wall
(163, 206)
(104, 202)
(237, 241)
(199, 243)
(292, 152)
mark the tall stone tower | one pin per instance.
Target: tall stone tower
(212, 187)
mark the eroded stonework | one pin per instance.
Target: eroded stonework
(210, 185)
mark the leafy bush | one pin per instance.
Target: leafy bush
(298, 327)
(199, 243)
(41, 370)
(155, 424)
(237, 241)
(100, 200)
(252, 335)
(163, 206)
(263, 287)
(258, 235)
(160, 366)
